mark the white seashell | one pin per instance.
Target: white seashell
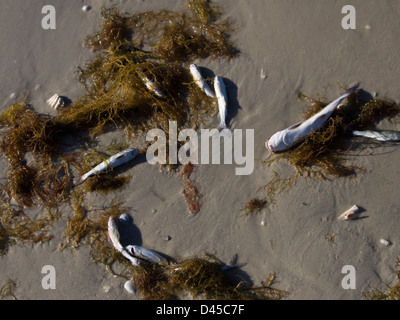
(124, 218)
(86, 8)
(386, 243)
(262, 74)
(55, 101)
(130, 287)
(349, 214)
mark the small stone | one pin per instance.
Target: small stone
(13, 95)
(86, 8)
(367, 27)
(386, 243)
(263, 223)
(106, 289)
(130, 287)
(154, 211)
(167, 238)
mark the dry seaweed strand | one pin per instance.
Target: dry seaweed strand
(199, 277)
(16, 227)
(254, 206)
(7, 289)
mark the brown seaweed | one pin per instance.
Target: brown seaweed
(254, 206)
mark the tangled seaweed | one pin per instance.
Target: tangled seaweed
(254, 206)
(199, 277)
(137, 81)
(141, 90)
(324, 152)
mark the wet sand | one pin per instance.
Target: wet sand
(301, 46)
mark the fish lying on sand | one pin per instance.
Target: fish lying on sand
(113, 235)
(384, 135)
(194, 70)
(285, 139)
(146, 254)
(220, 92)
(113, 162)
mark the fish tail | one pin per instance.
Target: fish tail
(79, 181)
(224, 128)
(351, 90)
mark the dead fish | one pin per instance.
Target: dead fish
(151, 85)
(220, 92)
(146, 254)
(291, 136)
(113, 235)
(113, 162)
(384, 135)
(194, 70)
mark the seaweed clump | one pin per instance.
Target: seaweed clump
(254, 206)
(7, 289)
(45, 179)
(18, 227)
(324, 152)
(199, 277)
(140, 90)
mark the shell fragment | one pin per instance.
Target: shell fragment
(350, 214)
(385, 242)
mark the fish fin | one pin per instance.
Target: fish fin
(352, 89)
(79, 181)
(225, 130)
(295, 126)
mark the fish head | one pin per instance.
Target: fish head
(132, 153)
(112, 225)
(276, 143)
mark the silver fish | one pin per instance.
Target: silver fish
(146, 254)
(151, 85)
(194, 70)
(291, 136)
(220, 92)
(384, 135)
(113, 162)
(113, 235)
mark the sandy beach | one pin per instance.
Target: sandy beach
(286, 47)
